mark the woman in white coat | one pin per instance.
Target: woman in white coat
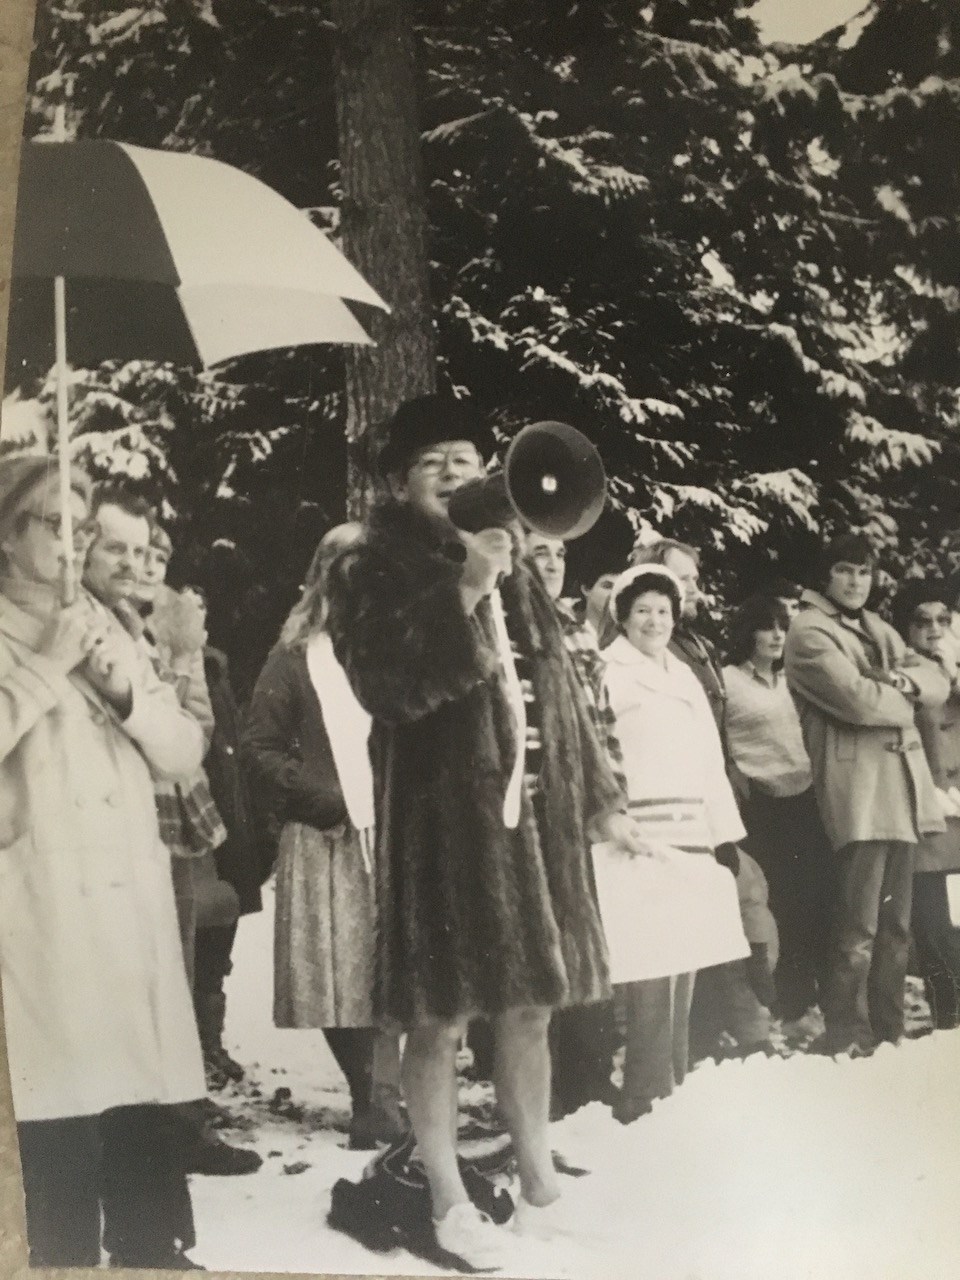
(99, 1021)
(678, 793)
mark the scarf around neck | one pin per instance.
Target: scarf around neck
(348, 728)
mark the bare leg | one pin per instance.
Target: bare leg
(522, 1077)
(430, 1088)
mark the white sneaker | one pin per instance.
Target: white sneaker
(472, 1236)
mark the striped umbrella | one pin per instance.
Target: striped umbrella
(122, 252)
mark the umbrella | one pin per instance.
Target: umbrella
(170, 257)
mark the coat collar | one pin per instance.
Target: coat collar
(866, 628)
(675, 679)
(18, 625)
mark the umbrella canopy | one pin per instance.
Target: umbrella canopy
(168, 256)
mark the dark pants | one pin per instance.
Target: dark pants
(724, 1001)
(121, 1160)
(871, 943)
(185, 895)
(581, 1054)
(212, 947)
(938, 947)
(658, 1031)
(787, 839)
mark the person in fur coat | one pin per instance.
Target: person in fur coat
(476, 916)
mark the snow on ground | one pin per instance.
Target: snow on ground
(800, 1167)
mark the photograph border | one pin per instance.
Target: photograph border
(17, 18)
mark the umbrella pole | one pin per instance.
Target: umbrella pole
(63, 440)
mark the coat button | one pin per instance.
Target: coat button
(113, 800)
(80, 801)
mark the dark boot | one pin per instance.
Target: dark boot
(175, 1261)
(217, 1159)
(372, 1121)
(219, 1066)
(203, 1151)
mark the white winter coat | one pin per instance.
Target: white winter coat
(97, 1009)
(671, 747)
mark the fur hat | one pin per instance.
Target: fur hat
(646, 577)
(430, 420)
(21, 474)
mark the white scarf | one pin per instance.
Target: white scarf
(348, 729)
(514, 691)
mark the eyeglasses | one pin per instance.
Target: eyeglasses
(432, 462)
(82, 529)
(938, 620)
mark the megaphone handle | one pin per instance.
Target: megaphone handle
(511, 800)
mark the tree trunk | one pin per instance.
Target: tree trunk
(383, 222)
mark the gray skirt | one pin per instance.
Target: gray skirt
(323, 942)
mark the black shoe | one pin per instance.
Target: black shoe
(828, 1046)
(374, 1126)
(217, 1159)
(627, 1109)
(215, 1115)
(176, 1260)
(220, 1068)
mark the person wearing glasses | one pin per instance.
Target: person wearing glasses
(99, 1020)
(922, 615)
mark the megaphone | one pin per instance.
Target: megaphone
(552, 478)
(555, 479)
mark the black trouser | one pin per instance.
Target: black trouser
(786, 837)
(938, 947)
(212, 948)
(864, 997)
(581, 1054)
(121, 1160)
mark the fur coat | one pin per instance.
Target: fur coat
(473, 917)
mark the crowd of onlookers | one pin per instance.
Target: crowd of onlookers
(429, 808)
(836, 806)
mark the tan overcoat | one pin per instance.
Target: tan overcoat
(870, 773)
(97, 1008)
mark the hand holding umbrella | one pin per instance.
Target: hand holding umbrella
(170, 257)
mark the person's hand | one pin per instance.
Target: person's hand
(620, 830)
(110, 668)
(489, 557)
(947, 653)
(910, 659)
(948, 804)
(178, 623)
(70, 635)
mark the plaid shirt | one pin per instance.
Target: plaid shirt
(581, 642)
(190, 823)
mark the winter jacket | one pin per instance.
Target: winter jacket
(286, 746)
(243, 860)
(701, 657)
(98, 1012)
(870, 774)
(939, 728)
(671, 746)
(474, 917)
